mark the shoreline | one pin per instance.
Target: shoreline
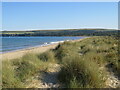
(36, 49)
(22, 47)
(30, 47)
(19, 53)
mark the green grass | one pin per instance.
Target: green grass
(80, 62)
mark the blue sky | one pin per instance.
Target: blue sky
(59, 15)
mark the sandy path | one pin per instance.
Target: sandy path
(113, 80)
(47, 79)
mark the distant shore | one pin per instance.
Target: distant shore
(39, 49)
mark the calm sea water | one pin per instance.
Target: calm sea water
(15, 43)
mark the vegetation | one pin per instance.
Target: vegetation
(69, 32)
(82, 63)
(9, 79)
(17, 71)
(81, 69)
(75, 70)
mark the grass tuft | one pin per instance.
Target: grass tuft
(83, 70)
(9, 79)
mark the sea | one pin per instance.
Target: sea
(15, 43)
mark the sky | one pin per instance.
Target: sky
(59, 15)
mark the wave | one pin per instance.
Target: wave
(50, 43)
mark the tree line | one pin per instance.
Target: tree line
(66, 33)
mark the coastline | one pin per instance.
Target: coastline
(36, 49)
(19, 53)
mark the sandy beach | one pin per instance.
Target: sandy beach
(20, 53)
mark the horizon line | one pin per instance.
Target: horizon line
(60, 29)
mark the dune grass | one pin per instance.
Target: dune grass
(80, 63)
(82, 69)
(9, 80)
(81, 72)
(47, 56)
(16, 72)
(28, 65)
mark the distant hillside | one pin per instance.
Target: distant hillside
(67, 32)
